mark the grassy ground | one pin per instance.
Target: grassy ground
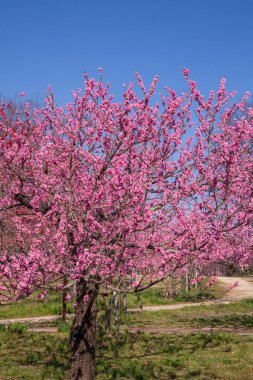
(30, 356)
(138, 357)
(210, 356)
(155, 296)
(32, 306)
(215, 314)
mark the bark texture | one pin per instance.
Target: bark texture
(83, 333)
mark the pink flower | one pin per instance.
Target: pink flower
(42, 294)
(235, 284)
(136, 283)
(186, 72)
(86, 298)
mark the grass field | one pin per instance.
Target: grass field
(25, 355)
(32, 306)
(216, 314)
(137, 356)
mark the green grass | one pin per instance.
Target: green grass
(62, 327)
(17, 327)
(31, 356)
(198, 356)
(194, 315)
(236, 320)
(33, 307)
(151, 296)
(155, 295)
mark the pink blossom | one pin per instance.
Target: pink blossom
(68, 297)
(86, 298)
(186, 72)
(124, 193)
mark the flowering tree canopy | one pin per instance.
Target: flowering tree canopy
(103, 192)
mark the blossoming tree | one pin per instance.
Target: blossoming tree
(110, 195)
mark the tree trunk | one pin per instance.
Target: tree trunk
(64, 301)
(196, 275)
(124, 303)
(116, 313)
(139, 300)
(107, 310)
(83, 333)
(186, 283)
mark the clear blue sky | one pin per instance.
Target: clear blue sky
(54, 41)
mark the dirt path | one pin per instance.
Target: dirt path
(165, 330)
(178, 305)
(188, 330)
(242, 291)
(45, 330)
(38, 321)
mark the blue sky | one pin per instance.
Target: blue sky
(54, 41)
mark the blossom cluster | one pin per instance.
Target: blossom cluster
(126, 192)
